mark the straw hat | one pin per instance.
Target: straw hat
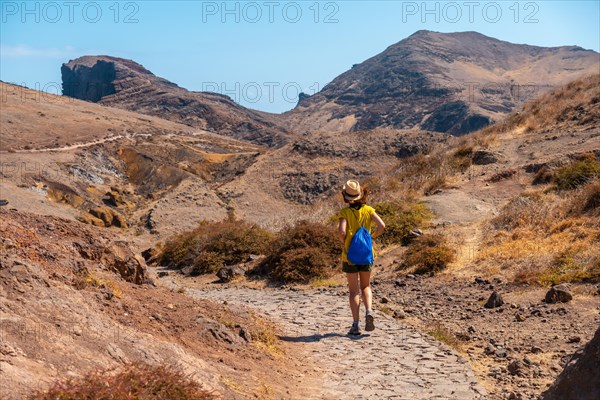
(351, 191)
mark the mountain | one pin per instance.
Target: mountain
(445, 82)
(128, 85)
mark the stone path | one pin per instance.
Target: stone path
(393, 362)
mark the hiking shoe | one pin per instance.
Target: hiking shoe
(354, 330)
(370, 324)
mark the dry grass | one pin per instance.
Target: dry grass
(441, 333)
(85, 279)
(134, 381)
(575, 105)
(546, 238)
(266, 337)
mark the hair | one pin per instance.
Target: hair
(363, 200)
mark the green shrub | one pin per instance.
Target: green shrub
(213, 245)
(134, 381)
(303, 252)
(428, 254)
(577, 173)
(400, 218)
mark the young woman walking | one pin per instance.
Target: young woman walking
(351, 218)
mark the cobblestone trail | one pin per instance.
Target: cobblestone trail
(393, 362)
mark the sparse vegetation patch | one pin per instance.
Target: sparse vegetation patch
(134, 381)
(213, 245)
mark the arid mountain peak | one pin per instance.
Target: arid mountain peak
(445, 82)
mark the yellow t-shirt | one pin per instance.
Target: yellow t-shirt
(355, 219)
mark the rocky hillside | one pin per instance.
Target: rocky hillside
(125, 84)
(445, 82)
(75, 299)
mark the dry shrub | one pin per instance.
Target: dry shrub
(577, 173)
(543, 176)
(428, 254)
(213, 245)
(303, 252)
(134, 381)
(400, 218)
(440, 332)
(462, 158)
(587, 201)
(420, 171)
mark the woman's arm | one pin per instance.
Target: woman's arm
(341, 231)
(379, 223)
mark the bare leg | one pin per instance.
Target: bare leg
(354, 294)
(365, 289)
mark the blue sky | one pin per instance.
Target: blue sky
(261, 53)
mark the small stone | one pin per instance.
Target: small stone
(228, 273)
(574, 339)
(384, 300)
(157, 316)
(245, 334)
(162, 274)
(411, 276)
(536, 349)
(536, 313)
(399, 314)
(501, 353)
(520, 317)
(489, 349)
(471, 329)
(516, 368)
(494, 301)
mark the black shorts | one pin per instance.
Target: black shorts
(351, 268)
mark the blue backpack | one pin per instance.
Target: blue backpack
(360, 251)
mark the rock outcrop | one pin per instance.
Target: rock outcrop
(580, 380)
(125, 84)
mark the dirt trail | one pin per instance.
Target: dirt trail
(392, 362)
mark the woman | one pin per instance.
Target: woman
(351, 218)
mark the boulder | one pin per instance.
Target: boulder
(109, 216)
(88, 218)
(580, 380)
(559, 294)
(495, 300)
(484, 157)
(119, 258)
(229, 273)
